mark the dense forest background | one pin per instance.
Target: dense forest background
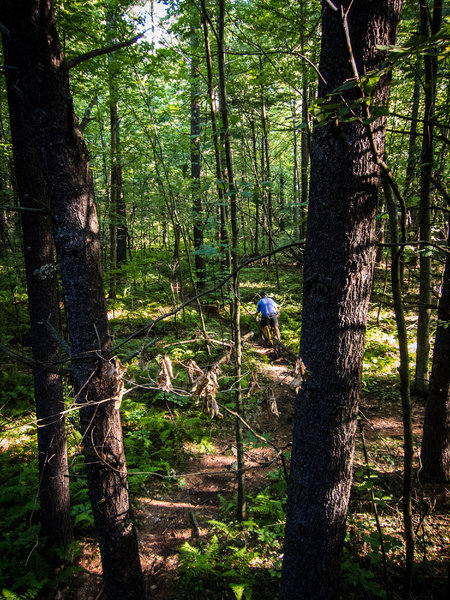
(198, 118)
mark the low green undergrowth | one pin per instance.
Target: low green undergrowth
(238, 560)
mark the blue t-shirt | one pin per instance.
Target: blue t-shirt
(267, 306)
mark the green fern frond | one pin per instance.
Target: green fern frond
(28, 595)
(226, 528)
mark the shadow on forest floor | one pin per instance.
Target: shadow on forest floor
(169, 515)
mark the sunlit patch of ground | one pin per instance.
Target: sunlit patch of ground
(169, 514)
(22, 436)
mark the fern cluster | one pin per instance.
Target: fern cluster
(239, 561)
(24, 568)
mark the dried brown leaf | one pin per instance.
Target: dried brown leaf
(165, 374)
(193, 368)
(300, 374)
(254, 384)
(271, 403)
(206, 387)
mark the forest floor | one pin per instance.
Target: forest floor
(169, 515)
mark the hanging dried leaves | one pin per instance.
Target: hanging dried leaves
(165, 374)
(193, 370)
(300, 374)
(206, 387)
(254, 384)
(271, 403)
(116, 369)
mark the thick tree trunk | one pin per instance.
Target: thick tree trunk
(43, 303)
(41, 273)
(42, 80)
(338, 269)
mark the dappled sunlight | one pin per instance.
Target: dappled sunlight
(198, 186)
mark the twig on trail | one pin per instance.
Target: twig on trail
(369, 424)
(100, 592)
(259, 437)
(195, 523)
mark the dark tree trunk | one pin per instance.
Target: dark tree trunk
(198, 218)
(305, 143)
(265, 165)
(223, 234)
(403, 371)
(41, 273)
(428, 28)
(236, 300)
(413, 159)
(296, 177)
(42, 80)
(435, 453)
(118, 214)
(118, 205)
(282, 201)
(43, 304)
(338, 269)
(257, 188)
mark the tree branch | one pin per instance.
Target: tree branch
(74, 62)
(5, 30)
(41, 211)
(34, 364)
(417, 243)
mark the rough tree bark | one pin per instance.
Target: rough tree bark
(41, 77)
(43, 306)
(338, 270)
(43, 303)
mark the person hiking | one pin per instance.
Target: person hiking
(269, 313)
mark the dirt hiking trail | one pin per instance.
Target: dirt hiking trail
(169, 515)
